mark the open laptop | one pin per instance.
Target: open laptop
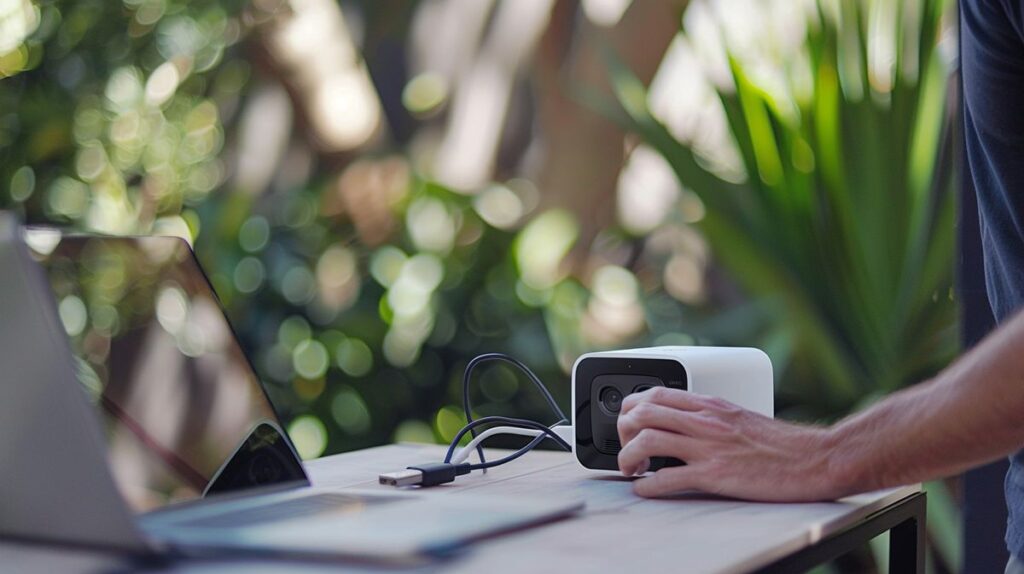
(131, 418)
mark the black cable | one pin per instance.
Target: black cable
(432, 474)
(511, 457)
(522, 423)
(501, 357)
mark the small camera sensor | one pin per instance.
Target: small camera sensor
(611, 400)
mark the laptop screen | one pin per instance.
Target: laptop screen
(183, 411)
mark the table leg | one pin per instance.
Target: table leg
(905, 522)
(907, 540)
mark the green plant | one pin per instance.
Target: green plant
(845, 216)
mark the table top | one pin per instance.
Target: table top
(617, 531)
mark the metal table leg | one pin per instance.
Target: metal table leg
(905, 522)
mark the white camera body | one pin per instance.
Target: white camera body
(740, 375)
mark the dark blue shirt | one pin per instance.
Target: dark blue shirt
(992, 61)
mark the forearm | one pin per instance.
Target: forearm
(970, 414)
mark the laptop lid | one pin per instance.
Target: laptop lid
(54, 479)
(183, 413)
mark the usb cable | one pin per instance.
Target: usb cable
(564, 431)
(455, 465)
(467, 406)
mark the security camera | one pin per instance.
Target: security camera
(601, 381)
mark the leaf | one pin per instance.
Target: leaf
(945, 528)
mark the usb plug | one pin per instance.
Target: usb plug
(425, 474)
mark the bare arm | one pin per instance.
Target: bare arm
(971, 413)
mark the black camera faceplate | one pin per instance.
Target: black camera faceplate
(595, 424)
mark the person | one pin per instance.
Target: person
(970, 414)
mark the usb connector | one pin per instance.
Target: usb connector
(407, 477)
(425, 474)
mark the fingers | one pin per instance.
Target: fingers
(668, 481)
(634, 456)
(673, 398)
(655, 416)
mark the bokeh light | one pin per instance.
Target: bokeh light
(309, 435)
(310, 359)
(541, 247)
(350, 411)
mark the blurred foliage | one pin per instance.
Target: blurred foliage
(111, 119)
(375, 340)
(361, 288)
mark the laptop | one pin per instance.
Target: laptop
(130, 418)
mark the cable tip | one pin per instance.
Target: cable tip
(407, 477)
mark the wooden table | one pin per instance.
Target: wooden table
(618, 532)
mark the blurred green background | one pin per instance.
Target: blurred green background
(381, 190)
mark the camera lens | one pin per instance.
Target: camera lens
(641, 388)
(611, 399)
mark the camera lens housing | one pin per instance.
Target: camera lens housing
(602, 382)
(605, 383)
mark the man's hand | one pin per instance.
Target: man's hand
(972, 413)
(728, 450)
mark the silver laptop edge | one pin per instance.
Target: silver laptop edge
(51, 443)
